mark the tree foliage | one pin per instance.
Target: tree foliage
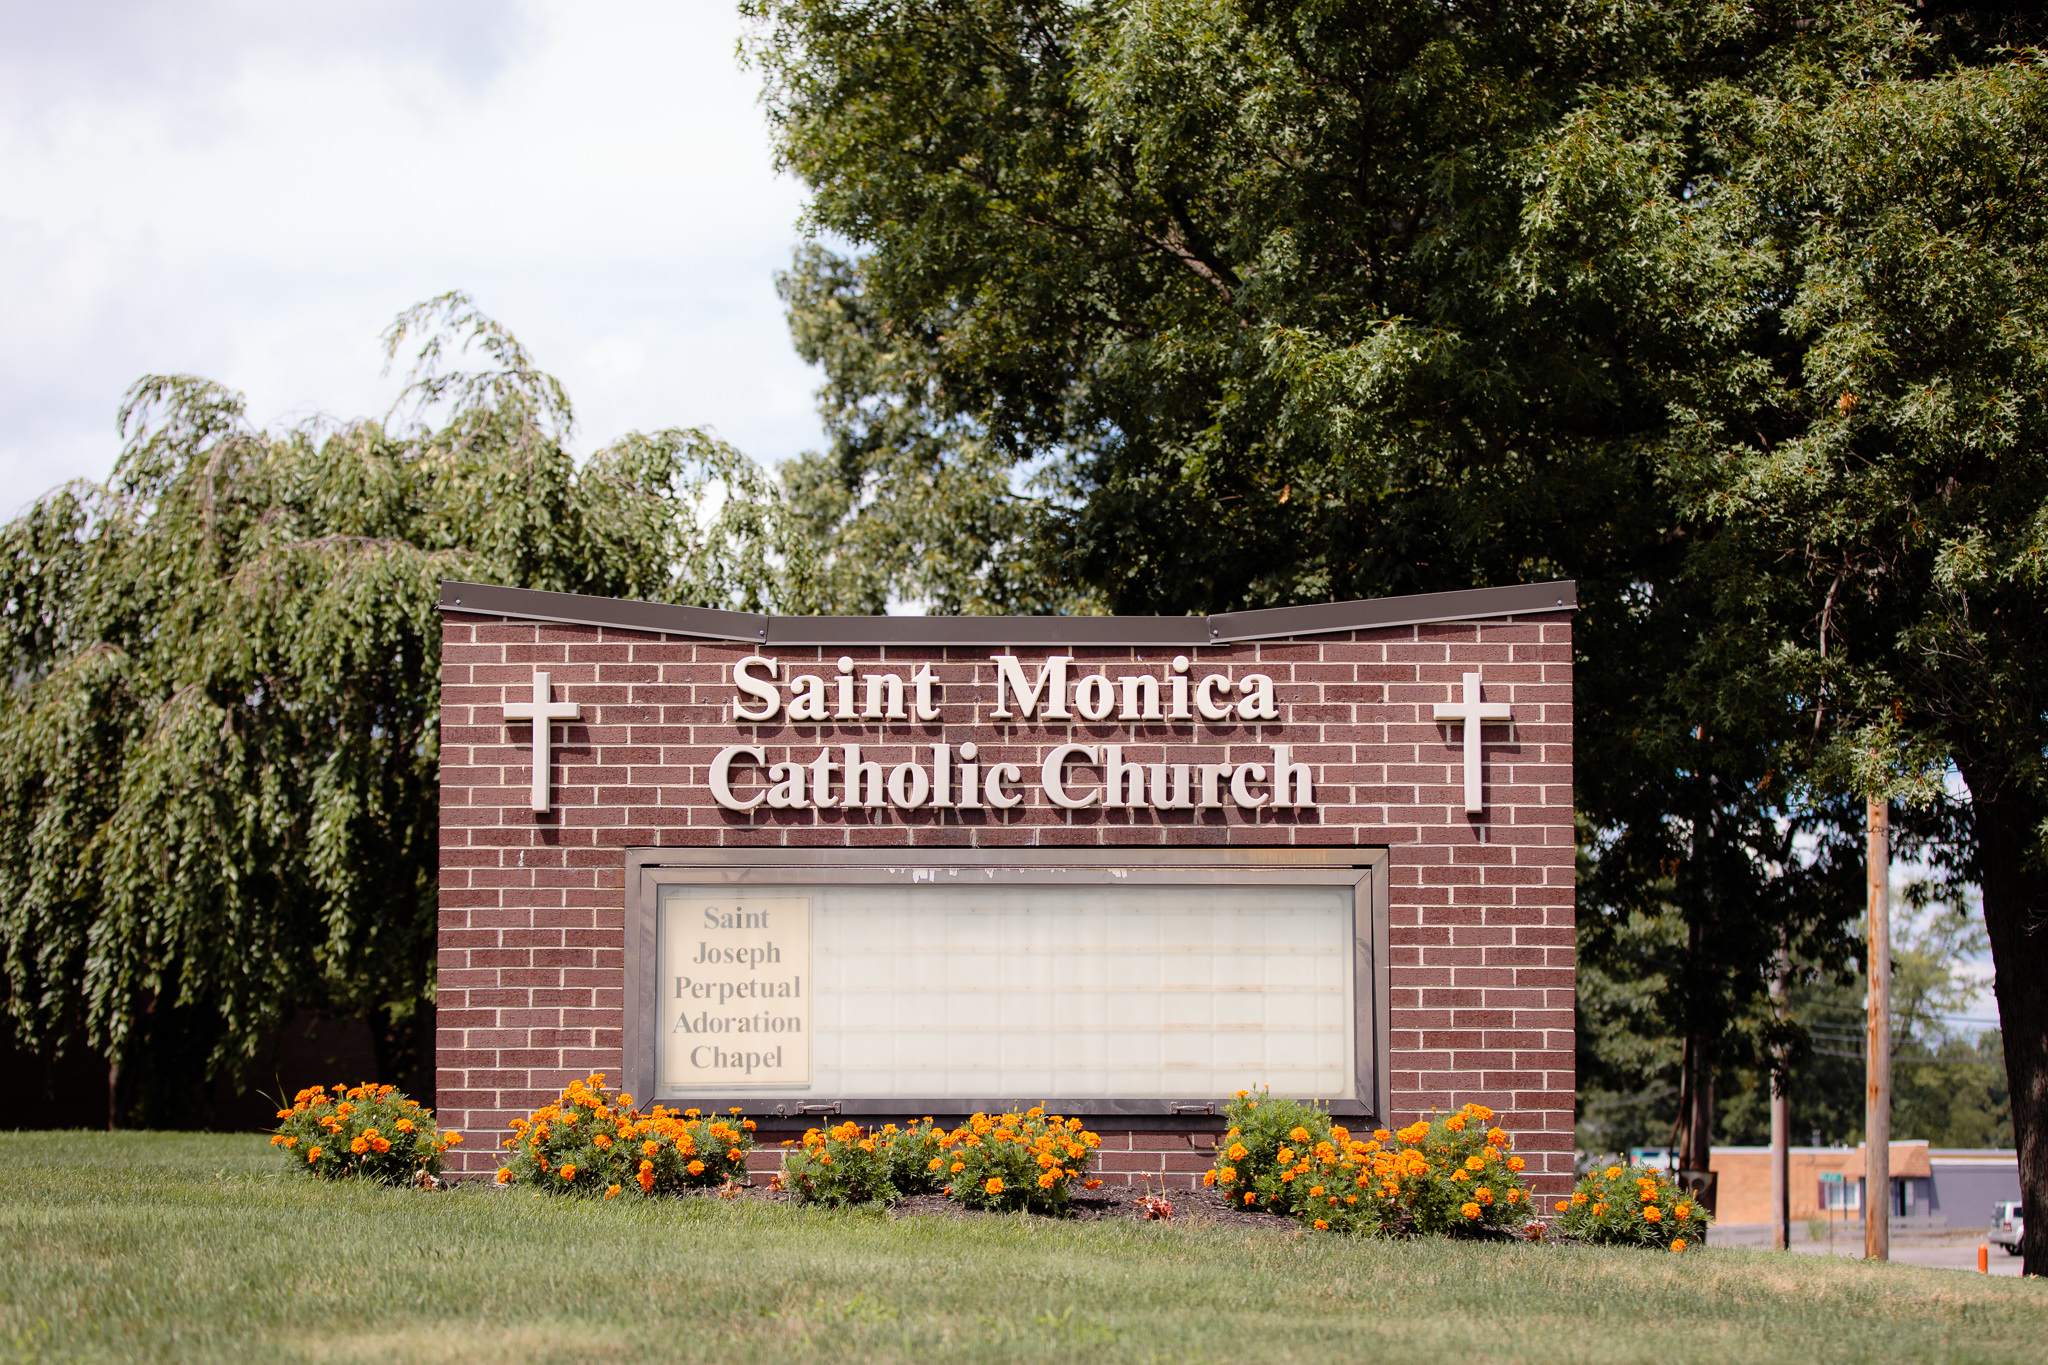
(1732, 313)
(218, 745)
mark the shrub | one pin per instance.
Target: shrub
(1447, 1175)
(1634, 1206)
(363, 1130)
(1257, 1161)
(1017, 1161)
(915, 1157)
(591, 1140)
(839, 1166)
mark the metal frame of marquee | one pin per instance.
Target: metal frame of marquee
(1364, 869)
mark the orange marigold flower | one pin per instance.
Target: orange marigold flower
(1455, 1124)
(1091, 1184)
(1323, 1224)
(1250, 1197)
(1599, 1208)
(1516, 1163)
(1314, 1190)
(1474, 1163)
(312, 1155)
(1047, 1181)
(994, 1185)
(569, 1171)
(1653, 1214)
(958, 1167)
(1469, 1210)
(1238, 1151)
(1678, 1244)
(1562, 1205)
(611, 1192)
(1300, 1135)
(695, 1168)
(359, 1146)
(1683, 1210)
(1227, 1174)
(1208, 1177)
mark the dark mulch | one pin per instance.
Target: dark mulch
(1116, 1201)
(1200, 1206)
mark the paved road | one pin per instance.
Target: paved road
(1957, 1251)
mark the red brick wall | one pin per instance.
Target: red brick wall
(531, 984)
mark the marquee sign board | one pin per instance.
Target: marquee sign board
(1131, 982)
(907, 866)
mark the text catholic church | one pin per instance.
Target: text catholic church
(907, 866)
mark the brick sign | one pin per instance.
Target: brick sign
(888, 867)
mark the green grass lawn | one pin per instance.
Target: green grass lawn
(139, 1246)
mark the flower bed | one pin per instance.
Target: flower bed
(370, 1131)
(592, 1140)
(1452, 1174)
(1448, 1175)
(1633, 1206)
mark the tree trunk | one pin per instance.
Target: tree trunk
(1695, 1135)
(2008, 819)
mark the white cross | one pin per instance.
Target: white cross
(1472, 713)
(541, 711)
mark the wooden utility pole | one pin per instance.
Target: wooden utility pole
(1877, 1104)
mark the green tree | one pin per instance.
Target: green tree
(1728, 312)
(218, 742)
(1873, 467)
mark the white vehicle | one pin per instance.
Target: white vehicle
(2007, 1226)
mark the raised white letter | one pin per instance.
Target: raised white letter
(998, 774)
(1141, 698)
(1010, 675)
(1258, 698)
(771, 700)
(922, 681)
(884, 698)
(909, 785)
(1052, 772)
(1291, 785)
(1210, 708)
(721, 776)
(1093, 697)
(807, 697)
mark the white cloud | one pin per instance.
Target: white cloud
(251, 192)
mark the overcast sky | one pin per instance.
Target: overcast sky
(251, 190)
